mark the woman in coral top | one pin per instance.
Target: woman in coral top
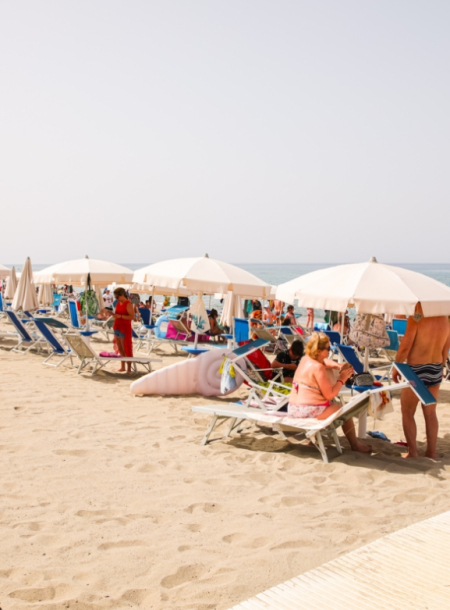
(123, 315)
(313, 389)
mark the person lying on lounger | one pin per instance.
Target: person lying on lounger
(313, 391)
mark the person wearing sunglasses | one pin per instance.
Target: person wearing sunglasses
(315, 386)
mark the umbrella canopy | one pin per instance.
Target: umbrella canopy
(25, 297)
(369, 287)
(76, 272)
(11, 285)
(4, 272)
(201, 274)
(45, 295)
(232, 308)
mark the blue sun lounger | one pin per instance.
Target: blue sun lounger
(27, 340)
(57, 347)
(75, 320)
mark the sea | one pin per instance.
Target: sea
(276, 273)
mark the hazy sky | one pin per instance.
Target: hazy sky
(254, 130)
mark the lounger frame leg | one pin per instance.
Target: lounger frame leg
(318, 442)
(209, 429)
(336, 440)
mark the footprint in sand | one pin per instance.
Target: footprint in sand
(291, 544)
(184, 574)
(123, 544)
(74, 452)
(34, 595)
(410, 497)
(203, 507)
(92, 514)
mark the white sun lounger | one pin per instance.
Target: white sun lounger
(406, 569)
(88, 357)
(313, 429)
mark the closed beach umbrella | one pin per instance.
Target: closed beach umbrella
(369, 287)
(4, 272)
(99, 295)
(202, 274)
(45, 294)
(11, 284)
(102, 273)
(232, 308)
(25, 297)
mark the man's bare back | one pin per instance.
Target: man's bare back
(425, 341)
(425, 348)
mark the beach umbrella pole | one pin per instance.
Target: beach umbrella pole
(362, 424)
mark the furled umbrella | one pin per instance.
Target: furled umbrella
(25, 298)
(45, 295)
(4, 272)
(11, 284)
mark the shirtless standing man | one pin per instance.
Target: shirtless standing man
(425, 348)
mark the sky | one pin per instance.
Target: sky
(257, 131)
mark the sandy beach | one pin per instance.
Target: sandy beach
(109, 501)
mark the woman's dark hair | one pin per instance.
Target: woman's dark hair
(214, 313)
(120, 292)
(297, 348)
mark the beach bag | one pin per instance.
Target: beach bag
(228, 376)
(362, 380)
(369, 331)
(199, 317)
(93, 307)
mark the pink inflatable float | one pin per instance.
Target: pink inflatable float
(194, 376)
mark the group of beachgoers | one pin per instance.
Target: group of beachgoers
(316, 379)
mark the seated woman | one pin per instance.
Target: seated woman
(289, 319)
(214, 328)
(313, 391)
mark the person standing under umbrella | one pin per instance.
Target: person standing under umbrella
(123, 332)
(425, 347)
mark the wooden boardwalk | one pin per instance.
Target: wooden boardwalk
(407, 569)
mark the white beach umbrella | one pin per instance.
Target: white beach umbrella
(369, 287)
(25, 297)
(201, 274)
(4, 272)
(232, 308)
(45, 294)
(102, 273)
(11, 284)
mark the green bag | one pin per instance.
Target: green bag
(93, 306)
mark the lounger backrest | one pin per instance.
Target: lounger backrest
(416, 385)
(286, 330)
(73, 311)
(333, 336)
(56, 300)
(180, 328)
(241, 330)
(79, 346)
(19, 326)
(49, 336)
(248, 348)
(399, 326)
(394, 342)
(1, 302)
(350, 356)
(321, 326)
(145, 315)
(263, 333)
